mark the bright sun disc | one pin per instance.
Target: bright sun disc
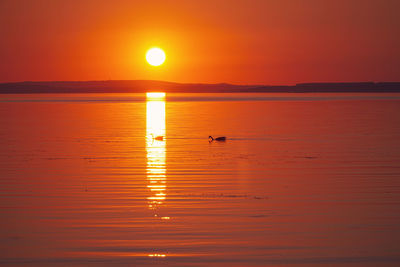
(155, 56)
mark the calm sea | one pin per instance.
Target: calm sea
(302, 179)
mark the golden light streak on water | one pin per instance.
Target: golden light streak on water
(155, 96)
(157, 255)
(155, 148)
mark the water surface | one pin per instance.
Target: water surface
(303, 179)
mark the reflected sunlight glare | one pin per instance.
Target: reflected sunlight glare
(155, 95)
(157, 255)
(155, 148)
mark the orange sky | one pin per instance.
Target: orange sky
(260, 41)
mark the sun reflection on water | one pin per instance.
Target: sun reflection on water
(155, 148)
(157, 255)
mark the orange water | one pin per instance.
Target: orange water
(303, 179)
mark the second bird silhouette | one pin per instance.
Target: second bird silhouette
(221, 139)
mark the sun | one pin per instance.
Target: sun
(155, 56)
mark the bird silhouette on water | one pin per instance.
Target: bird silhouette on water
(158, 137)
(220, 139)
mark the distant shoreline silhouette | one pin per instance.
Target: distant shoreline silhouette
(141, 86)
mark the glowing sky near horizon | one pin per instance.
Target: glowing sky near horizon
(259, 41)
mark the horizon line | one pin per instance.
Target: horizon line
(201, 83)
